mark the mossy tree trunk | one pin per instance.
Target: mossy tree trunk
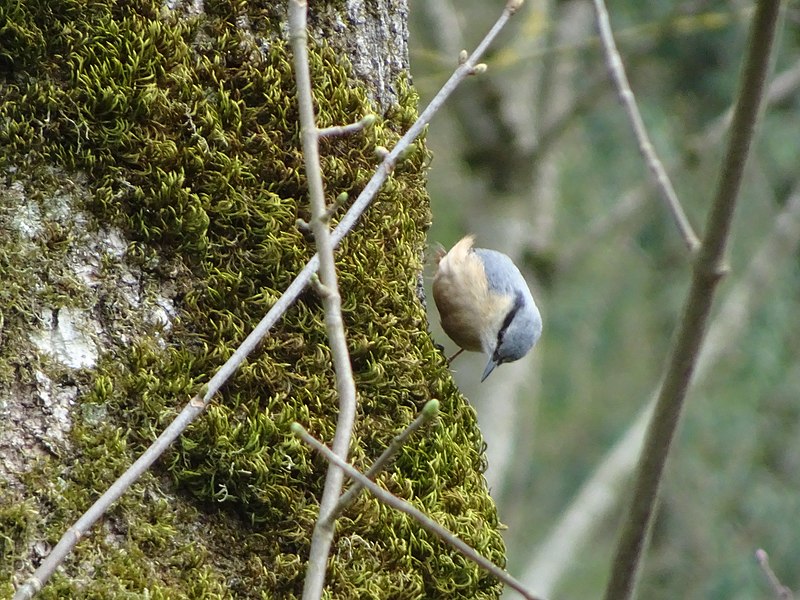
(152, 181)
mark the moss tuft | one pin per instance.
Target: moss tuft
(188, 135)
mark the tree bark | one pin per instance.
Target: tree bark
(148, 213)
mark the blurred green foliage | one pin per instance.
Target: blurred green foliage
(611, 301)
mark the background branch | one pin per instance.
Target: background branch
(707, 271)
(631, 202)
(781, 591)
(617, 71)
(611, 288)
(597, 497)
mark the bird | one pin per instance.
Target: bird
(485, 304)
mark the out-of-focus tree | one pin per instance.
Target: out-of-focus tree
(537, 158)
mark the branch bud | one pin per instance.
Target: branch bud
(478, 69)
(514, 5)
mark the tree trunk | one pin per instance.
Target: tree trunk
(153, 180)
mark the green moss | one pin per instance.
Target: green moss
(188, 134)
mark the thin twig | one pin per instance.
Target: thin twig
(322, 537)
(428, 414)
(454, 356)
(340, 130)
(201, 401)
(337, 203)
(599, 494)
(617, 71)
(73, 534)
(781, 591)
(425, 521)
(707, 272)
(782, 85)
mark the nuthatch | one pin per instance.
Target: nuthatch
(484, 303)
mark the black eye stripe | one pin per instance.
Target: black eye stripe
(518, 302)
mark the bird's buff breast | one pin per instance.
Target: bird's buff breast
(464, 301)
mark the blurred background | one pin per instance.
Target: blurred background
(537, 158)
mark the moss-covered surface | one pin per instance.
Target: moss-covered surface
(186, 134)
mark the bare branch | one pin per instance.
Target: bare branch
(428, 414)
(424, 520)
(366, 122)
(345, 385)
(73, 535)
(781, 86)
(781, 591)
(601, 492)
(617, 71)
(338, 203)
(708, 270)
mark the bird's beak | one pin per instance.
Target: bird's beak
(489, 368)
